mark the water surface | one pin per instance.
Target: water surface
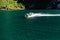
(14, 26)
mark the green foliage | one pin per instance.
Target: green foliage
(11, 4)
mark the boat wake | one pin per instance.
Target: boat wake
(32, 15)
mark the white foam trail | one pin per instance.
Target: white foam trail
(40, 15)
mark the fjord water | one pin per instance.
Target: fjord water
(14, 26)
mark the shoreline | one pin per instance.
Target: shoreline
(12, 9)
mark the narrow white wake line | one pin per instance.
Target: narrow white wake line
(30, 15)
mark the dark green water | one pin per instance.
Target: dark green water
(14, 26)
